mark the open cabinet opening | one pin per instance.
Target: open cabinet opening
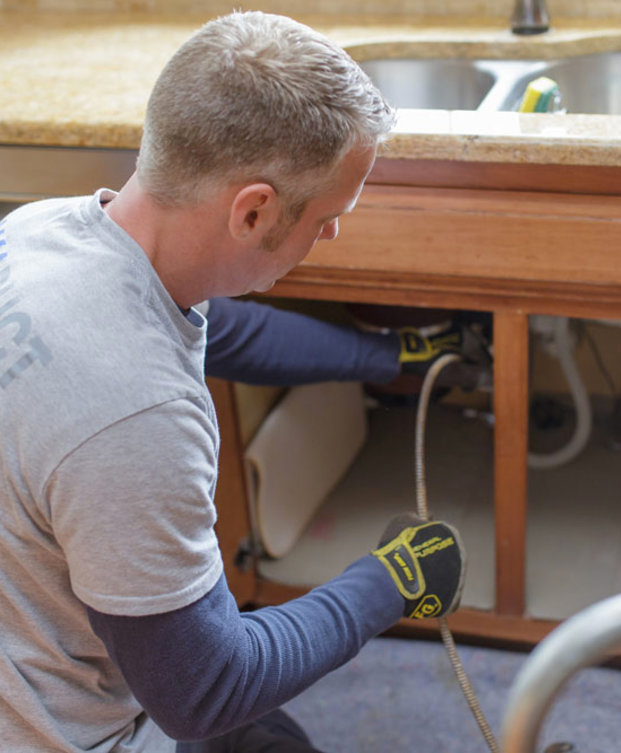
(573, 550)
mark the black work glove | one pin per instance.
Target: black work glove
(426, 560)
(422, 347)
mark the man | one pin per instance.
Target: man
(118, 630)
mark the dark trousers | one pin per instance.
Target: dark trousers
(276, 732)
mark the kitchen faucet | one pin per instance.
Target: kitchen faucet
(530, 17)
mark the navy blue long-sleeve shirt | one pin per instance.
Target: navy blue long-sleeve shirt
(259, 344)
(206, 668)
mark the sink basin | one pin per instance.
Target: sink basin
(588, 83)
(444, 84)
(452, 83)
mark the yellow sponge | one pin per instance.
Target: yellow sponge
(541, 95)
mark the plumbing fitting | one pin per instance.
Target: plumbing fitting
(530, 17)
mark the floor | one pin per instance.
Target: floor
(400, 696)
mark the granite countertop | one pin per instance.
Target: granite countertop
(83, 80)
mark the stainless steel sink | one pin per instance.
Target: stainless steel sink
(450, 83)
(447, 84)
(588, 83)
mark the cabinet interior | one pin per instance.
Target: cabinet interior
(573, 548)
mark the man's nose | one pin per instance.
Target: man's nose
(330, 230)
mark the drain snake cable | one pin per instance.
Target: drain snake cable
(423, 512)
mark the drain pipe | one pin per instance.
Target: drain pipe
(556, 337)
(581, 641)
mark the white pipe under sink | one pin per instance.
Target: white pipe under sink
(555, 334)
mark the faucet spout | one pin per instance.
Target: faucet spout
(530, 17)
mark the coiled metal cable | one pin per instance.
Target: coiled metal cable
(423, 512)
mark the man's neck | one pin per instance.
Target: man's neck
(177, 241)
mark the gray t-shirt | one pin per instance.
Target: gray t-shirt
(108, 462)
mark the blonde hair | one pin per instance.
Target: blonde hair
(261, 97)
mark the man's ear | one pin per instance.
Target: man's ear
(254, 211)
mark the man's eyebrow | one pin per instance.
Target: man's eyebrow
(347, 210)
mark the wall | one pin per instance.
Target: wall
(465, 8)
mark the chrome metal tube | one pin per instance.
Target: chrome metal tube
(530, 17)
(579, 642)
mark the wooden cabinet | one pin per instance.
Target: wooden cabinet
(510, 239)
